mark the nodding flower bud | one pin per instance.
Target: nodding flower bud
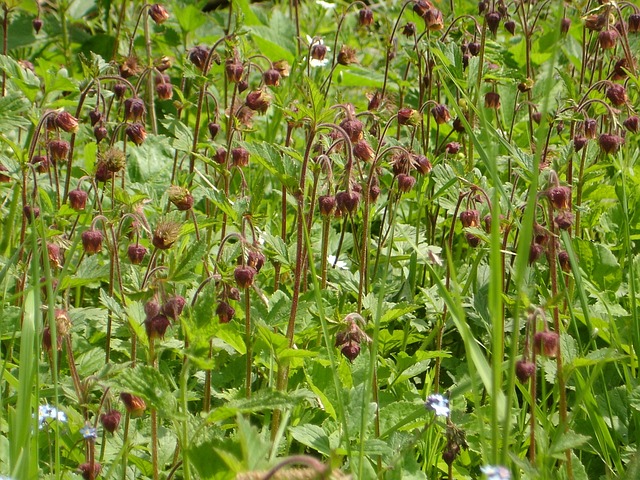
(590, 128)
(374, 193)
(617, 94)
(327, 204)
(41, 163)
(564, 220)
(420, 7)
(90, 470)
(409, 29)
(30, 212)
(353, 127)
(244, 276)
(347, 55)
(405, 182)
(225, 312)
(610, 143)
(136, 133)
(474, 48)
(180, 197)
(152, 308)
(158, 13)
(240, 156)
(607, 39)
(67, 122)
(164, 90)
(174, 306)
(110, 420)
(136, 253)
(220, 156)
(103, 174)
(100, 133)
(546, 343)
(452, 148)
(492, 100)
(134, 109)
(631, 124)
(510, 26)
(119, 90)
(92, 241)
(234, 68)
(258, 100)
(347, 201)
(470, 218)
(409, 116)
(526, 85)
(157, 326)
(535, 252)
(319, 51)
(493, 21)
(472, 240)
(565, 25)
(525, 370)
(634, 23)
(441, 114)
(37, 25)
(271, 77)
(363, 151)
(256, 259)
(242, 85)
(365, 17)
(78, 199)
(198, 56)
(536, 117)
(579, 142)
(422, 163)
(59, 150)
(165, 234)
(433, 19)
(595, 22)
(560, 197)
(214, 128)
(134, 404)
(563, 260)
(351, 350)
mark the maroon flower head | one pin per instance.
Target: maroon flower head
(214, 128)
(560, 197)
(617, 94)
(363, 151)
(351, 350)
(365, 17)
(353, 127)
(37, 25)
(590, 128)
(59, 150)
(100, 133)
(198, 56)
(563, 261)
(510, 26)
(579, 142)
(546, 343)
(110, 420)
(631, 124)
(409, 116)
(441, 114)
(92, 241)
(492, 100)
(493, 21)
(233, 69)
(347, 201)
(156, 327)
(41, 163)
(256, 259)
(258, 100)
(240, 156)
(134, 109)
(78, 199)
(164, 91)
(608, 39)
(405, 182)
(525, 370)
(470, 218)
(565, 24)
(158, 13)
(173, 307)
(134, 404)
(327, 204)
(136, 253)
(244, 276)
(225, 312)
(271, 77)
(136, 133)
(67, 122)
(610, 143)
(634, 23)
(89, 471)
(535, 252)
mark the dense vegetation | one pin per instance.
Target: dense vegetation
(315, 239)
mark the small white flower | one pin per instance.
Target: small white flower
(496, 472)
(439, 404)
(337, 264)
(89, 433)
(318, 63)
(326, 5)
(46, 412)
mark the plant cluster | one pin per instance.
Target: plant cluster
(377, 240)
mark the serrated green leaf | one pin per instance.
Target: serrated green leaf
(189, 259)
(312, 436)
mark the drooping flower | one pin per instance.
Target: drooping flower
(439, 405)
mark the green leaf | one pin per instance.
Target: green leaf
(190, 258)
(312, 436)
(600, 265)
(265, 400)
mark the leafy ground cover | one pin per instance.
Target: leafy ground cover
(319, 239)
